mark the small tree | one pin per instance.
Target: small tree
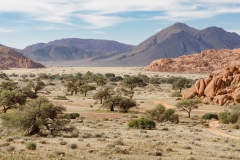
(11, 99)
(181, 83)
(84, 89)
(128, 93)
(8, 85)
(132, 82)
(35, 115)
(188, 105)
(103, 94)
(123, 103)
(37, 86)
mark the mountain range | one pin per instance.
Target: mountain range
(72, 49)
(174, 41)
(177, 40)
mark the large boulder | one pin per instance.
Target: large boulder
(189, 93)
(221, 99)
(207, 100)
(200, 87)
(236, 95)
(212, 88)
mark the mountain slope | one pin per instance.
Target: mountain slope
(176, 40)
(59, 53)
(72, 49)
(10, 58)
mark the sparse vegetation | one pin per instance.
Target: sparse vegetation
(142, 123)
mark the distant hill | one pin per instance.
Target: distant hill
(10, 58)
(177, 40)
(72, 49)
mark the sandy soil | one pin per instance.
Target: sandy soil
(184, 141)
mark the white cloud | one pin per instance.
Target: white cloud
(5, 30)
(99, 32)
(105, 13)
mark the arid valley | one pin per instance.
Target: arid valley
(101, 134)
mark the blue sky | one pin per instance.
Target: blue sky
(26, 22)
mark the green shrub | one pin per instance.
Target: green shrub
(230, 117)
(142, 123)
(176, 94)
(70, 116)
(73, 146)
(31, 146)
(60, 98)
(209, 116)
(161, 114)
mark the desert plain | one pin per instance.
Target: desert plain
(103, 135)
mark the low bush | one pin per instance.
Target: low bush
(161, 114)
(209, 116)
(230, 117)
(70, 116)
(60, 98)
(142, 123)
(73, 146)
(176, 94)
(31, 146)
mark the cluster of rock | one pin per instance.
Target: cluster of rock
(205, 62)
(222, 88)
(10, 58)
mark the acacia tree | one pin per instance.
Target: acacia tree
(36, 114)
(8, 85)
(188, 105)
(11, 99)
(123, 103)
(100, 80)
(128, 93)
(181, 83)
(133, 82)
(73, 86)
(103, 94)
(37, 86)
(84, 89)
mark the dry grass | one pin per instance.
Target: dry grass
(103, 135)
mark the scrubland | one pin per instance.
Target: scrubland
(101, 134)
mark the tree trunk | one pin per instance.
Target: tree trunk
(189, 114)
(85, 94)
(111, 108)
(101, 101)
(72, 92)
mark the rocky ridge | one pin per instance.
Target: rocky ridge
(221, 88)
(207, 61)
(10, 58)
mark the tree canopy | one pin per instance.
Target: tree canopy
(36, 115)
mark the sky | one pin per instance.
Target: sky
(26, 22)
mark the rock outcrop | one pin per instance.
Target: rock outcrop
(220, 88)
(10, 58)
(207, 61)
